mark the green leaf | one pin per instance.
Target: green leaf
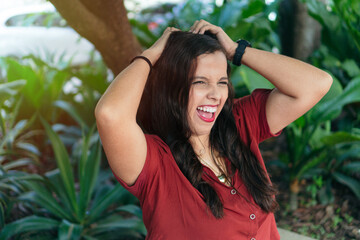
(340, 137)
(352, 183)
(2, 210)
(28, 224)
(325, 194)
(352, 152)
(10, 89)
(353, 167)
(230, 13)
(89, 170)
(105, 201)
(17, 163)
(351, 68)
(43, 197)
(64, 165)
(332, 108)
(252, 79)
(115, 223)
(72, 112)
(253, 8)
(54, 181)
(69, 231)
(304, 166)
(131, 208)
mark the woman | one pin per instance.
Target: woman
(198, 171)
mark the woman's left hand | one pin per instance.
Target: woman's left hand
(228, 44)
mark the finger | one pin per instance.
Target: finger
(199, 25)
(169, 30)
(204, 28)
(194, 26)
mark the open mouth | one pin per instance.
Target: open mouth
(206, 113)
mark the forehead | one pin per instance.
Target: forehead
(211, 63)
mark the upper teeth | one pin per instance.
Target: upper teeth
(207, 109)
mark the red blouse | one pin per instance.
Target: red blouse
(173, 209)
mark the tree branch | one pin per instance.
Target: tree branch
(105, 24)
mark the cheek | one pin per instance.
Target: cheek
(195, 97)
(225, 95)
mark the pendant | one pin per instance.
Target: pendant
(222, 178)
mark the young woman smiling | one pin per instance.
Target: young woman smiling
(175, 137)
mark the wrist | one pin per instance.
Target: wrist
(151, 55)
(232, 50)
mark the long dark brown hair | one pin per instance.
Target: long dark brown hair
(163, 112)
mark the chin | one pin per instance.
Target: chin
(202, 131)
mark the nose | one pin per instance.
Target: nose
(214, 92)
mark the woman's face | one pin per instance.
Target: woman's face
(208, 92)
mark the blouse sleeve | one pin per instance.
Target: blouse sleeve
(151, 169)
(250, 115)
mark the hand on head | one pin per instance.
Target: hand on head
(157, 48)
(200, 27)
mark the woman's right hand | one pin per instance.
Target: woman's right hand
(228, 44)
(153, 53)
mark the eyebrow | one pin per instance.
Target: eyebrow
(202, 77)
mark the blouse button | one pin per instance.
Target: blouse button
(233, 191)
(252, 217)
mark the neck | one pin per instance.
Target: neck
(200, 144)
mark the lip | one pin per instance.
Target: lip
(209, 105)
(207, 119)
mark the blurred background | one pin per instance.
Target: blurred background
(57, 58)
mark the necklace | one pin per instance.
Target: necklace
(222, 177)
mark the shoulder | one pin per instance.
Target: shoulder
(250, 115)
(254, 101)
(158, 160)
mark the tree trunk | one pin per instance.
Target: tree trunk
(299, 33)
(105, 24)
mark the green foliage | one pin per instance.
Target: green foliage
(308, 138)
(16, 147)
(340, 37)
(38, 85)
(11, 188)
(77, 209)
(240, 19)
(43, 85)
(314, 188)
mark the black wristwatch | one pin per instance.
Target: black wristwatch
(239, 52)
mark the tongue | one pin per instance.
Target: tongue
(205, 114)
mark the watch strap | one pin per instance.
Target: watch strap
(240, 50)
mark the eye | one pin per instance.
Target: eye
(198, 82)
(224, 83)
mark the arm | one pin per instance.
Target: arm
(299, 86)
(123, 140)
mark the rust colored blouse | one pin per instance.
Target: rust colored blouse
(173, 209)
